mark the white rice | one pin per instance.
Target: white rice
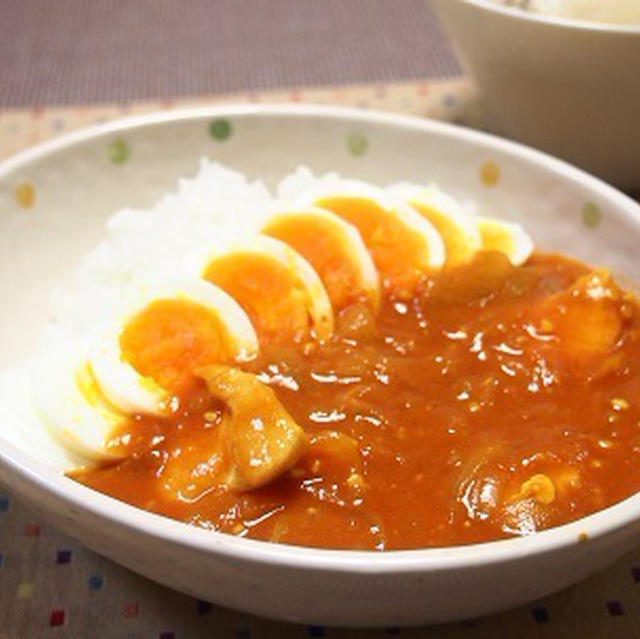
(142, 246)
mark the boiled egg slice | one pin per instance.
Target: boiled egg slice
(156, 346)
(506, 237)
(403, 244)
(455, 224)
(334, 248)
(279, 290)
(70, 403)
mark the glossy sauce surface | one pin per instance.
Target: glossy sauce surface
(498, 401)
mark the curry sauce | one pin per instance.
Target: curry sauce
(496, 401)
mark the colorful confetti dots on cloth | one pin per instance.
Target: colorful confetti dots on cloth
(56, 618)
(203, 607)
(25, 590)
(95, 582)
(220, 129)
(615, 608)
(540, 614)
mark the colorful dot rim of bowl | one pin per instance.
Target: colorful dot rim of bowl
(490, 173)
(357, 144)
(591, 214)
(118, 151)
(25, 194)
(220, 129)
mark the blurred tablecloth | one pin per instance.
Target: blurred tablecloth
(50, 586)
(74, 51)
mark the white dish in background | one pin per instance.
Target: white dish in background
(618, 12)
(54, 200)
(566, 86)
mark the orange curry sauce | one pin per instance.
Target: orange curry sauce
(498, 401)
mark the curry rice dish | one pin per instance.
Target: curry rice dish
(367, 369)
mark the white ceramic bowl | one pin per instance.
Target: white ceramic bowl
(77, 185)
(569, 87)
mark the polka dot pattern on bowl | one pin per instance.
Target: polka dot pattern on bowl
(25, 195)
(490, 173)
(357, 144)
(591, 214)
(220, 129)
(118, 151)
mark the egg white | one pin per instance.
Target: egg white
(522, 245)
(133, 392)
(332, 186)
(367, 273)
(69, 404)
(22, 425)
(320, 309)
(434, 198)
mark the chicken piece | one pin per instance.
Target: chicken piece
(587, 318)
(260, 438)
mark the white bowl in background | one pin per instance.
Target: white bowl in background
(569, 87)
(79, 179)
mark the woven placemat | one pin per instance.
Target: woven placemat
(51, 586)
(89, 52)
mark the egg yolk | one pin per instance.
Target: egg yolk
(399, 252)
(327, 248)
(271, 294)
(170, 338)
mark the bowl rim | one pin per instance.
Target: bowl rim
(32, 474)
(554, 21)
